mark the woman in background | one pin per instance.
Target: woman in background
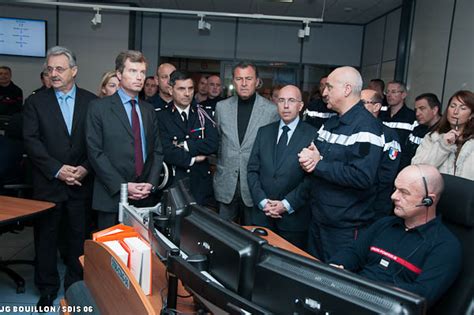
(451, 146)
(109, 84)
(150, 88)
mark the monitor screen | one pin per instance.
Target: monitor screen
(286, 283)
(22, 37)
(216, 298)
(230, 250)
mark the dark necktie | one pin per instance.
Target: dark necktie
(185, 119)
(282, 143)
(137, 140)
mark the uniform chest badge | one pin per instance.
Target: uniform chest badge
(393, 153)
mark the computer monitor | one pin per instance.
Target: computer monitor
(213, 296)
(231, 251)
(164, 227)
(286, 283)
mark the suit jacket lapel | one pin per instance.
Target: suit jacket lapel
(233, 120)
(118, 109)
(193, 115)
(177, 119)
(273, 143)
(79, 111)
(146, 123)
(56, 110)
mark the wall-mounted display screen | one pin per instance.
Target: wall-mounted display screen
(22, 37)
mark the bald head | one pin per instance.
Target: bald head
(291, 89)
(349, 75)
(372, 101)
(343, 88)
(434, 180)
(289, 103)
(162, 76)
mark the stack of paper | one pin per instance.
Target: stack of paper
(118, 249)
(140, 262)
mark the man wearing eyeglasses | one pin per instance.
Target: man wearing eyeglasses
(399, 116)
(54, 137)
(343, 162)
(274, 174)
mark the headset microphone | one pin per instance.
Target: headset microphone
(427, 201)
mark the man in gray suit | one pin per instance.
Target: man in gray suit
(238, 119)
(122, 141)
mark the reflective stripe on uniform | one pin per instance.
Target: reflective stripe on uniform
(400, 125)
(414, 139)
(313, 113)
(396, 259)
(344, 140)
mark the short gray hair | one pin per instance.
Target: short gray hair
(59, 50)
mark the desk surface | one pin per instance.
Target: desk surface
(108, 287)
(277, 241)
(12, 208)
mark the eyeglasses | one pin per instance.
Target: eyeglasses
(369, 102)
(289, 101)
(58, 69)
(392, 92)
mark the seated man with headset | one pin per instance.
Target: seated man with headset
(412, 250)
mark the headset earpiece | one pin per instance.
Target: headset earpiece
(427, 201)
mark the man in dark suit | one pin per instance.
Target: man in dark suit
(54, 138)
(274, 173)
(122, 142)
(188, 135)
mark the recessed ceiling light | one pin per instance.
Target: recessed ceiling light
(348, 9)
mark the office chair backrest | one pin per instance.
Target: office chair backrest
(457, 208)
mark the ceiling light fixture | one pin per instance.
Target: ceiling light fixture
(203, 25)
(97, 19)
(305, 31)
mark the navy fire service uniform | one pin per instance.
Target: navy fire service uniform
(388, 170)
(403, 122)
(342, 188)
(318, 113)
(424, 260)
(182, 141)
(413, 142)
